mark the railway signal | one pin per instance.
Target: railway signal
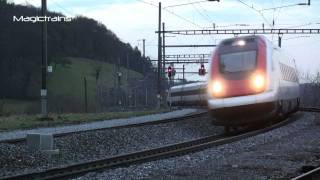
(169, 72)
(202, 70)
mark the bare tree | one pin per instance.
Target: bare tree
(310, 88)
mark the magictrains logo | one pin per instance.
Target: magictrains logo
(35, 19)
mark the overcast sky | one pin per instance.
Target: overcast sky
(133, 20)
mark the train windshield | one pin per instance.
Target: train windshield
(238, 61)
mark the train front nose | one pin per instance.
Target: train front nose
(238, 69)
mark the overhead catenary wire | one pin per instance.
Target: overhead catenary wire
(184, 4)
(278, 8)
(282, 6)
(201, 14)
(206, 12)
(173, 13)
(260, 13)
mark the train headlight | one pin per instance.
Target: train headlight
(240, 42)
(258, 82)
(216, 88)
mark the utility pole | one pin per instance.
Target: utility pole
(159, 58)
(135, 97)
(144, 48)
(279, 40)
(163, 48)
(146, 97)
(119, 74)
(144, 54)
(127, 68)
(85, 95)
(127, 79)
(183, 73)
(44, 65)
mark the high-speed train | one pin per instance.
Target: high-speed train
(250, 80)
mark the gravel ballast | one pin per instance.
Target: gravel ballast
(85, 146)
(277, 154)
(7, 135)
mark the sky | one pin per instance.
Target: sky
(134, 20)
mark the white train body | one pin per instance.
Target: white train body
(249, 80)
(194, 94)
(274, 71)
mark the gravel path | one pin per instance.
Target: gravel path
(95, 125)
(276, 154)
(92, 145)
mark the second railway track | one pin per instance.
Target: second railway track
(168, 120)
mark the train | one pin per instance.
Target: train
(193, 94)
(250, 81)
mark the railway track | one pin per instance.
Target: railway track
(194, 115)
(191, 116)
(310, 175)
(309, 109)
(314, 173)
(147, 155)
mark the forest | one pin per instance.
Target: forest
(20, 48)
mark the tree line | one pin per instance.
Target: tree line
(20, 48)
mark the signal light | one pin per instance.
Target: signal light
(202, 70)
(170, 71)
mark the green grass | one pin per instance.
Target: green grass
(69, 81)
(33, 121)
(66, 86)
(11, 106)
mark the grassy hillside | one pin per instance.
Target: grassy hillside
(12, 106)
(66, 86)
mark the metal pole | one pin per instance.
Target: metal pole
(144, 55)
(279, 41)
(163, 48)
(146, 97)
(169, 94)
(135, 98)
(85, 95)
(144, 47)
(172, 82)
(127, 69)
(117, 83)
(44, 65)
(159, 58)
(183, 73)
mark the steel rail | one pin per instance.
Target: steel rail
(308, 175)
(194, 115)
(163, 121)
(310, 109)
(146, 155)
